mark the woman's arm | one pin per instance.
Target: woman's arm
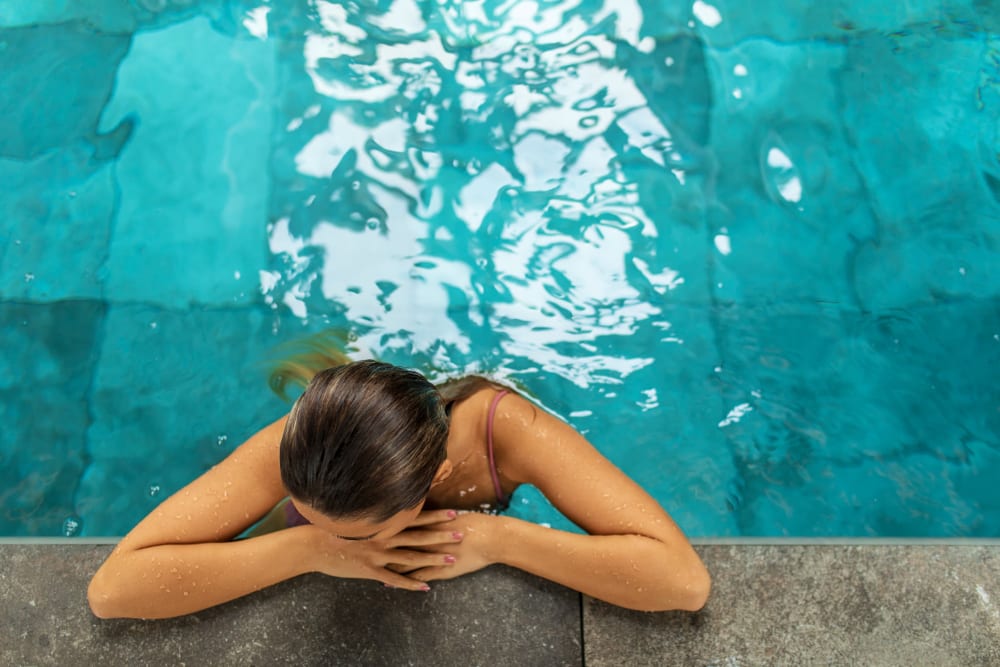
(632, 571)
(175, 579)
(180, 559)
(635, 556)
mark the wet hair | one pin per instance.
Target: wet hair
(365, 438)
(364, 441)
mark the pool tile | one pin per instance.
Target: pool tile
(116, 493)
(59, 190)
(829, 407)
(107, 15)
(45, 375)
(53, 97)
(727, 22)
(193, 178)
(789, 207)
(169, 384)
(58, 197)
(926, 165)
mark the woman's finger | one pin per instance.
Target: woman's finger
(393, 580)
(416, 559)
(424, 538)
(399, 569)
(430, 573)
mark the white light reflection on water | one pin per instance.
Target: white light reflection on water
(256, 22)
(781, 174)
(499, 201)
(706, 13)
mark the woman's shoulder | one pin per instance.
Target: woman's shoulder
(470, 409)
(457, 390)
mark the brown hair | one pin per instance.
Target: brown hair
(366, 438)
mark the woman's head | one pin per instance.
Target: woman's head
(364, 441)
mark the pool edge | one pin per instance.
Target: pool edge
(698, 541)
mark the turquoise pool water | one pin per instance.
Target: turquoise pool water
(752, 250)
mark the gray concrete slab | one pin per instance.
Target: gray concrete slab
(873, 605)
(775, 605)
(495, 617)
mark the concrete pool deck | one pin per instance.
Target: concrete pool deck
(773, 603)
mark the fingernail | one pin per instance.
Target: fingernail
(425, 588)
(452, 514)
(388, 586)
(457, 535)
(449, 559)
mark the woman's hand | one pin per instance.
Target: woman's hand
(428, 543)
(479, 532)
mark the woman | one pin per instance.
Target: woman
(366, 477)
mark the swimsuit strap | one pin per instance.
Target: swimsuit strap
(501, 498)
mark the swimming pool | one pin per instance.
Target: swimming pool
(752, 253)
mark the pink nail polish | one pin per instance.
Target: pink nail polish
(452, 514)
(449, 559)
(457, 535)
(425, 588)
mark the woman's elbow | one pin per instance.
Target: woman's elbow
(689, 594)
(103, 598)
(697, 591)
(98, 599)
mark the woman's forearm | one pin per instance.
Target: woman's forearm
(175, 579)
(630, 571)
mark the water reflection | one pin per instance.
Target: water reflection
(495, 165)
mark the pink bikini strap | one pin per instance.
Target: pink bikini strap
(501, 498)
